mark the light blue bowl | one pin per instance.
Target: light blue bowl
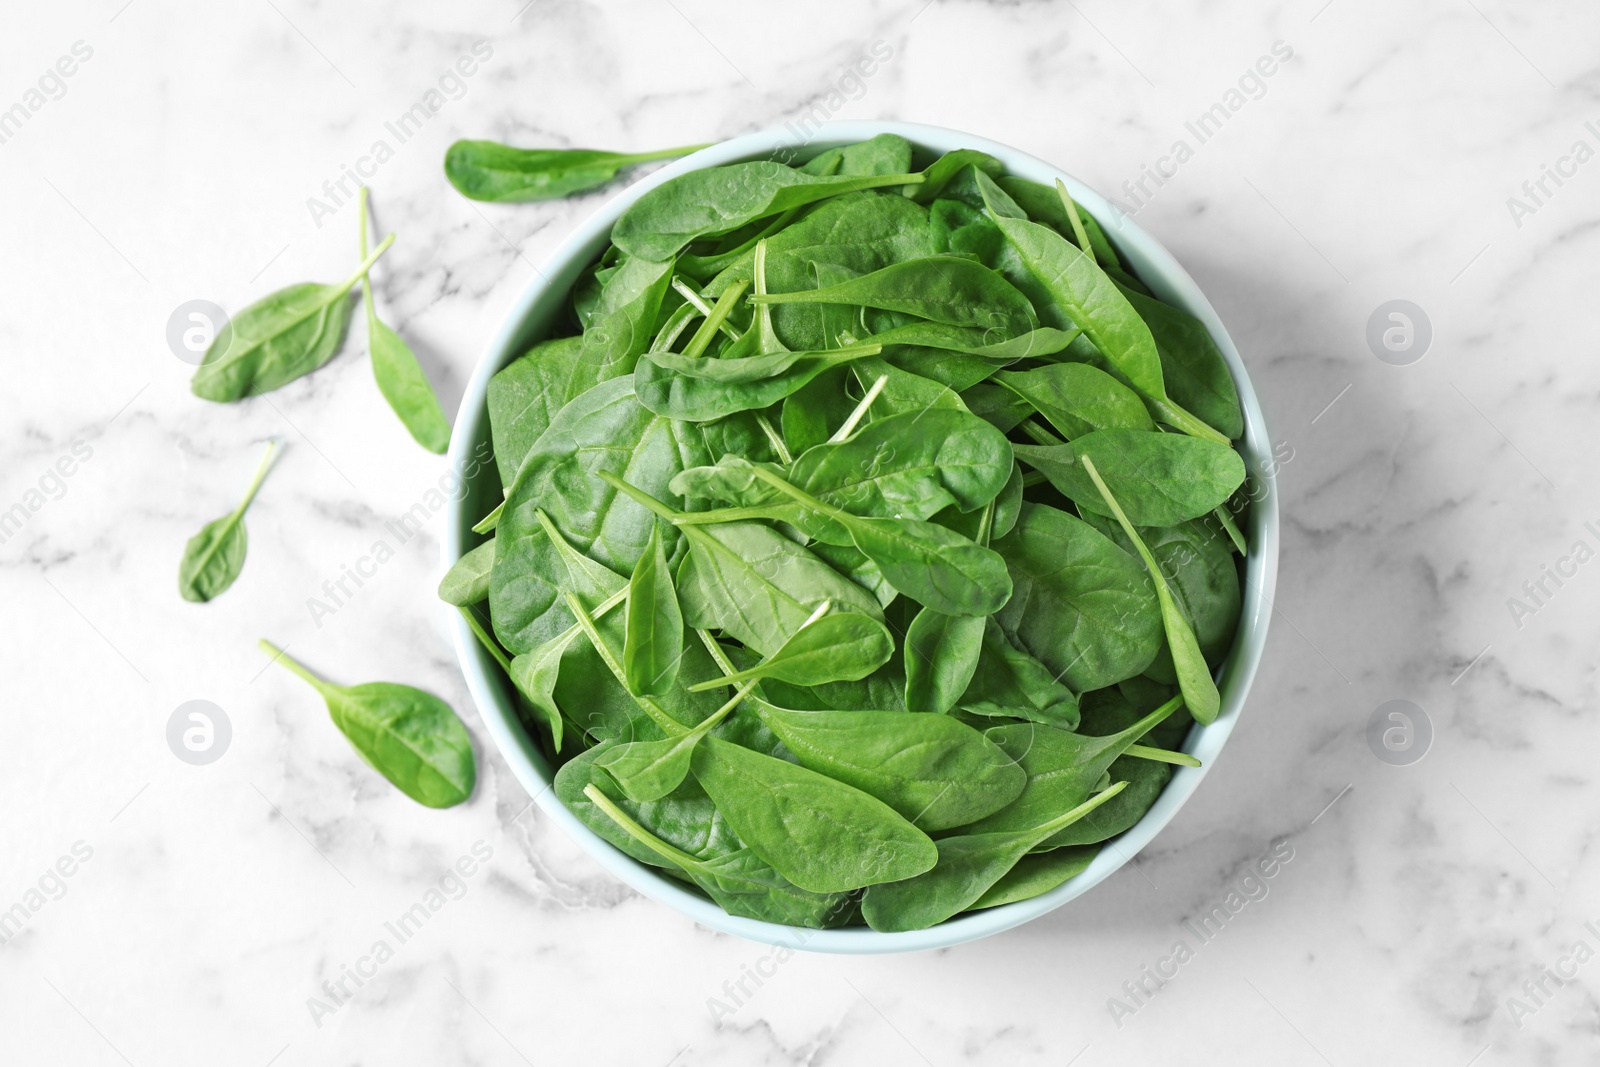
(539, 305)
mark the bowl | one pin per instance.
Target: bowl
(539, 305)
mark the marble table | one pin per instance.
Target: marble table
(1310, 163)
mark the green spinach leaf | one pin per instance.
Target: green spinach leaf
(410, 737)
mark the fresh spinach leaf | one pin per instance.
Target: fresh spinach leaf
(467, 580)
(1035, 875)
(1194, 676)
(968, 866)
(410, 737)
(830, 646)
(281, 337)
(487, 170)
(653, 647)
(941, 656)
(1078, 399)
(950, 290)
(213, 558)
(1163, 478)
(704, 202)
(819, 833)
(399, 375)
(738, 881)
(935, 771)
(1082, 607)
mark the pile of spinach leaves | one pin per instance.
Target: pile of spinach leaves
(868, 540)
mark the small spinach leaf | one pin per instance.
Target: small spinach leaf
(410, 737)
(213, 558)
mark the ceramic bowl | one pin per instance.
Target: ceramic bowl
(540, 304)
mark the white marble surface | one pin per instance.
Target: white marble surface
(1376, 164)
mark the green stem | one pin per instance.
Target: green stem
(366, 282)
(281, 657)
(860, 412)
(718, 315)
(489, 521)
(766, 338)
(484, 639)
(639, 833)
(985, 524)
(706, 518)
(820, 507)
(673, 328)
(1032, 428)
(255, 483)
(1175, 416)
(1156, 717)
(1066, 819)
(696, 301)
(1162, 755)
(638, 496)
(775, 440)
(669, 726)
(716, 651)
(710, 721)
(1225, 517)
(367, 262)
(1077, 223)
(662, 153)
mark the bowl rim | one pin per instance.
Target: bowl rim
(1166, 279)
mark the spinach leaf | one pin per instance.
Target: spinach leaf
(738, 881)
(719, 199)
(653, 647)
(1199, 567)
(969, 341)
(927, 562)
(1035, 875)
(1067, 286)
(943, 289)
(941, 656)
(1078, 399)
(649, 770)
(909, 465)
(749, 580)
(887, 153)
(605, 429)
(1192, 368)
(935, 771)
(830, 646)
(1007, 682)
(1082, 606)
(213, 558)
(674, 395)
(1045, 204)
(1163, 478)
(281, 337)
(1145, 778)
(467, 580)
(399, 375)
(1062, 768)
(998, 406)
(524, 396)
(1194, 676)
(968, 866)
(410, 737)
(686, 818)
(487, 170)
(536, 673)
(939, 173)
(819, 833)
